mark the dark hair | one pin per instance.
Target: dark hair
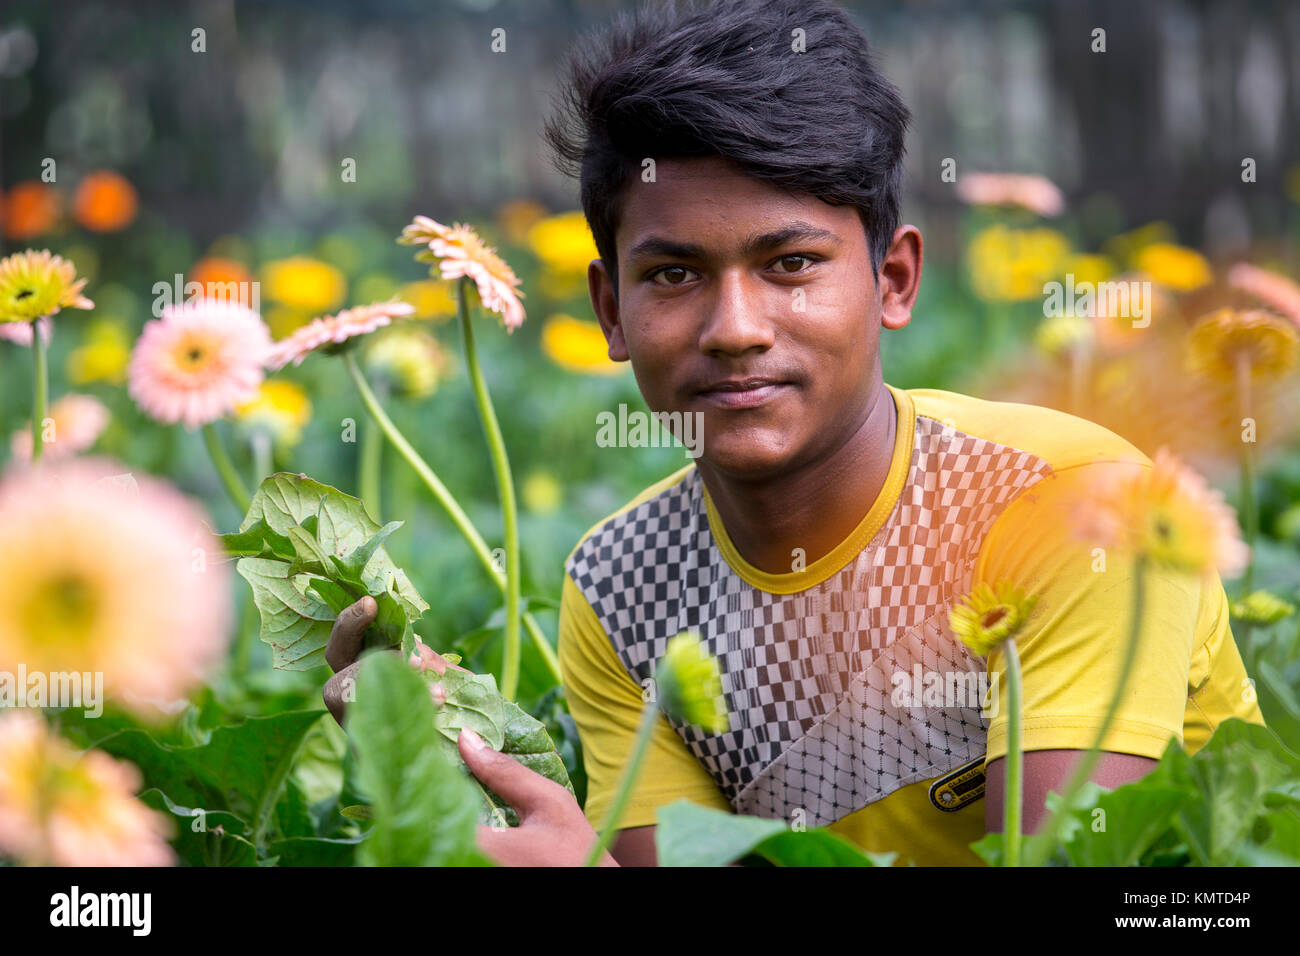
(725, 80)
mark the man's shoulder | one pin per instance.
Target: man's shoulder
(646, 494)
(1060, 439)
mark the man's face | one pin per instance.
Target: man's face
(752, 306)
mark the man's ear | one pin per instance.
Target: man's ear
(900, 277)
(606, 307)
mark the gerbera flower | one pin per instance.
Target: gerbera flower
(78, 421)
(1272, 288)
(1262, 609)
(281, 408)
(105, 202)
(35, 284)
(329, 330)
(304, 283)
(1175, 267)
(578, 346)
(116, 580)
(1165, 513)
(990, 615)
(21, 332)
(199, 361)
(1035, 193)
(63, 807)
(459, 251)
(1223, 342)
(31, 209)
(689, 684)
(411, 360)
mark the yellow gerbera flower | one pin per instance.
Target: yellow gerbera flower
(990, 615)
(1062, 332)
(564, 243)
(281, 407)
(33, 284)
(304, 283)
(1175, 267)
(1267, 344)
(1165, 513)
(578, 346)
(689, 684)
(103, 356)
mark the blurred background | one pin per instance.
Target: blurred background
(211, 140)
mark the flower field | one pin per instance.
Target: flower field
(231, 464)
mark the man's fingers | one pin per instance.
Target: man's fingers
(340, 689)
(527, 791)
(346, 636)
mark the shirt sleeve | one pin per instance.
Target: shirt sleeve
(1073, 648)
(606, 705)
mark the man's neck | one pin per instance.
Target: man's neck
(814, 507)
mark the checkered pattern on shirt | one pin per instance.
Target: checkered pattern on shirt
(801, 672)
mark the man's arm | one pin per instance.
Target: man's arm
(635, 846)
(1048, 770)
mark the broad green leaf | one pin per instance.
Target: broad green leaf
(204, 837)
(316, 851)
(308, 551)
(295, 622)
(1278, 703)
(425, 810)
(241, 770)
(688, 834)
(817, 847)
(1135, 816)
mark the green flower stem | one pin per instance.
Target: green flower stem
(225, 468)
(449, 504)
(370, 464)
(1249, 506)
(506, 490)
(625, 782)
(263, 458)
(40, 391)
(1013, 792)
(1083, 770)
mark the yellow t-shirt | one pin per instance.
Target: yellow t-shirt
(851, 705)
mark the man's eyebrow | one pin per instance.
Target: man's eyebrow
(658, 246)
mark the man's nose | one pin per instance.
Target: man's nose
(737, 321)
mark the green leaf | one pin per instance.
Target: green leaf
(316, 851)
(688, 834)
(818, 847)
(308, 551)
(1135, 817)
(426, 812)
(473, 701)
(197, 840)
(241, 770)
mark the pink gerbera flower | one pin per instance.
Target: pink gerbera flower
(199, 361)
(76, 422)
(459, 251)
(334, 330)
(21, 332)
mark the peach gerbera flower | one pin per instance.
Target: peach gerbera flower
(1165, 513)
(199, 361)
(35, 284)
(331, 330)
(78, 421)
(1272, 288)
(459, 252)
(62, 807)
(124, 581)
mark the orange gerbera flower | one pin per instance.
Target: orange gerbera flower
(105, 202)
(459, 251)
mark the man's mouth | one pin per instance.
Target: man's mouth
(743, 392)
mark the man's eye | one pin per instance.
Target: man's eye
(798, 261)
(674, 275)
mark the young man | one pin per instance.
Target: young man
(741, 170)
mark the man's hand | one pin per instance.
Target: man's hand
(552, 830)
(344, 646)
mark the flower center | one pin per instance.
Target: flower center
(994, 617)
(62, 610)
(24, 294)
